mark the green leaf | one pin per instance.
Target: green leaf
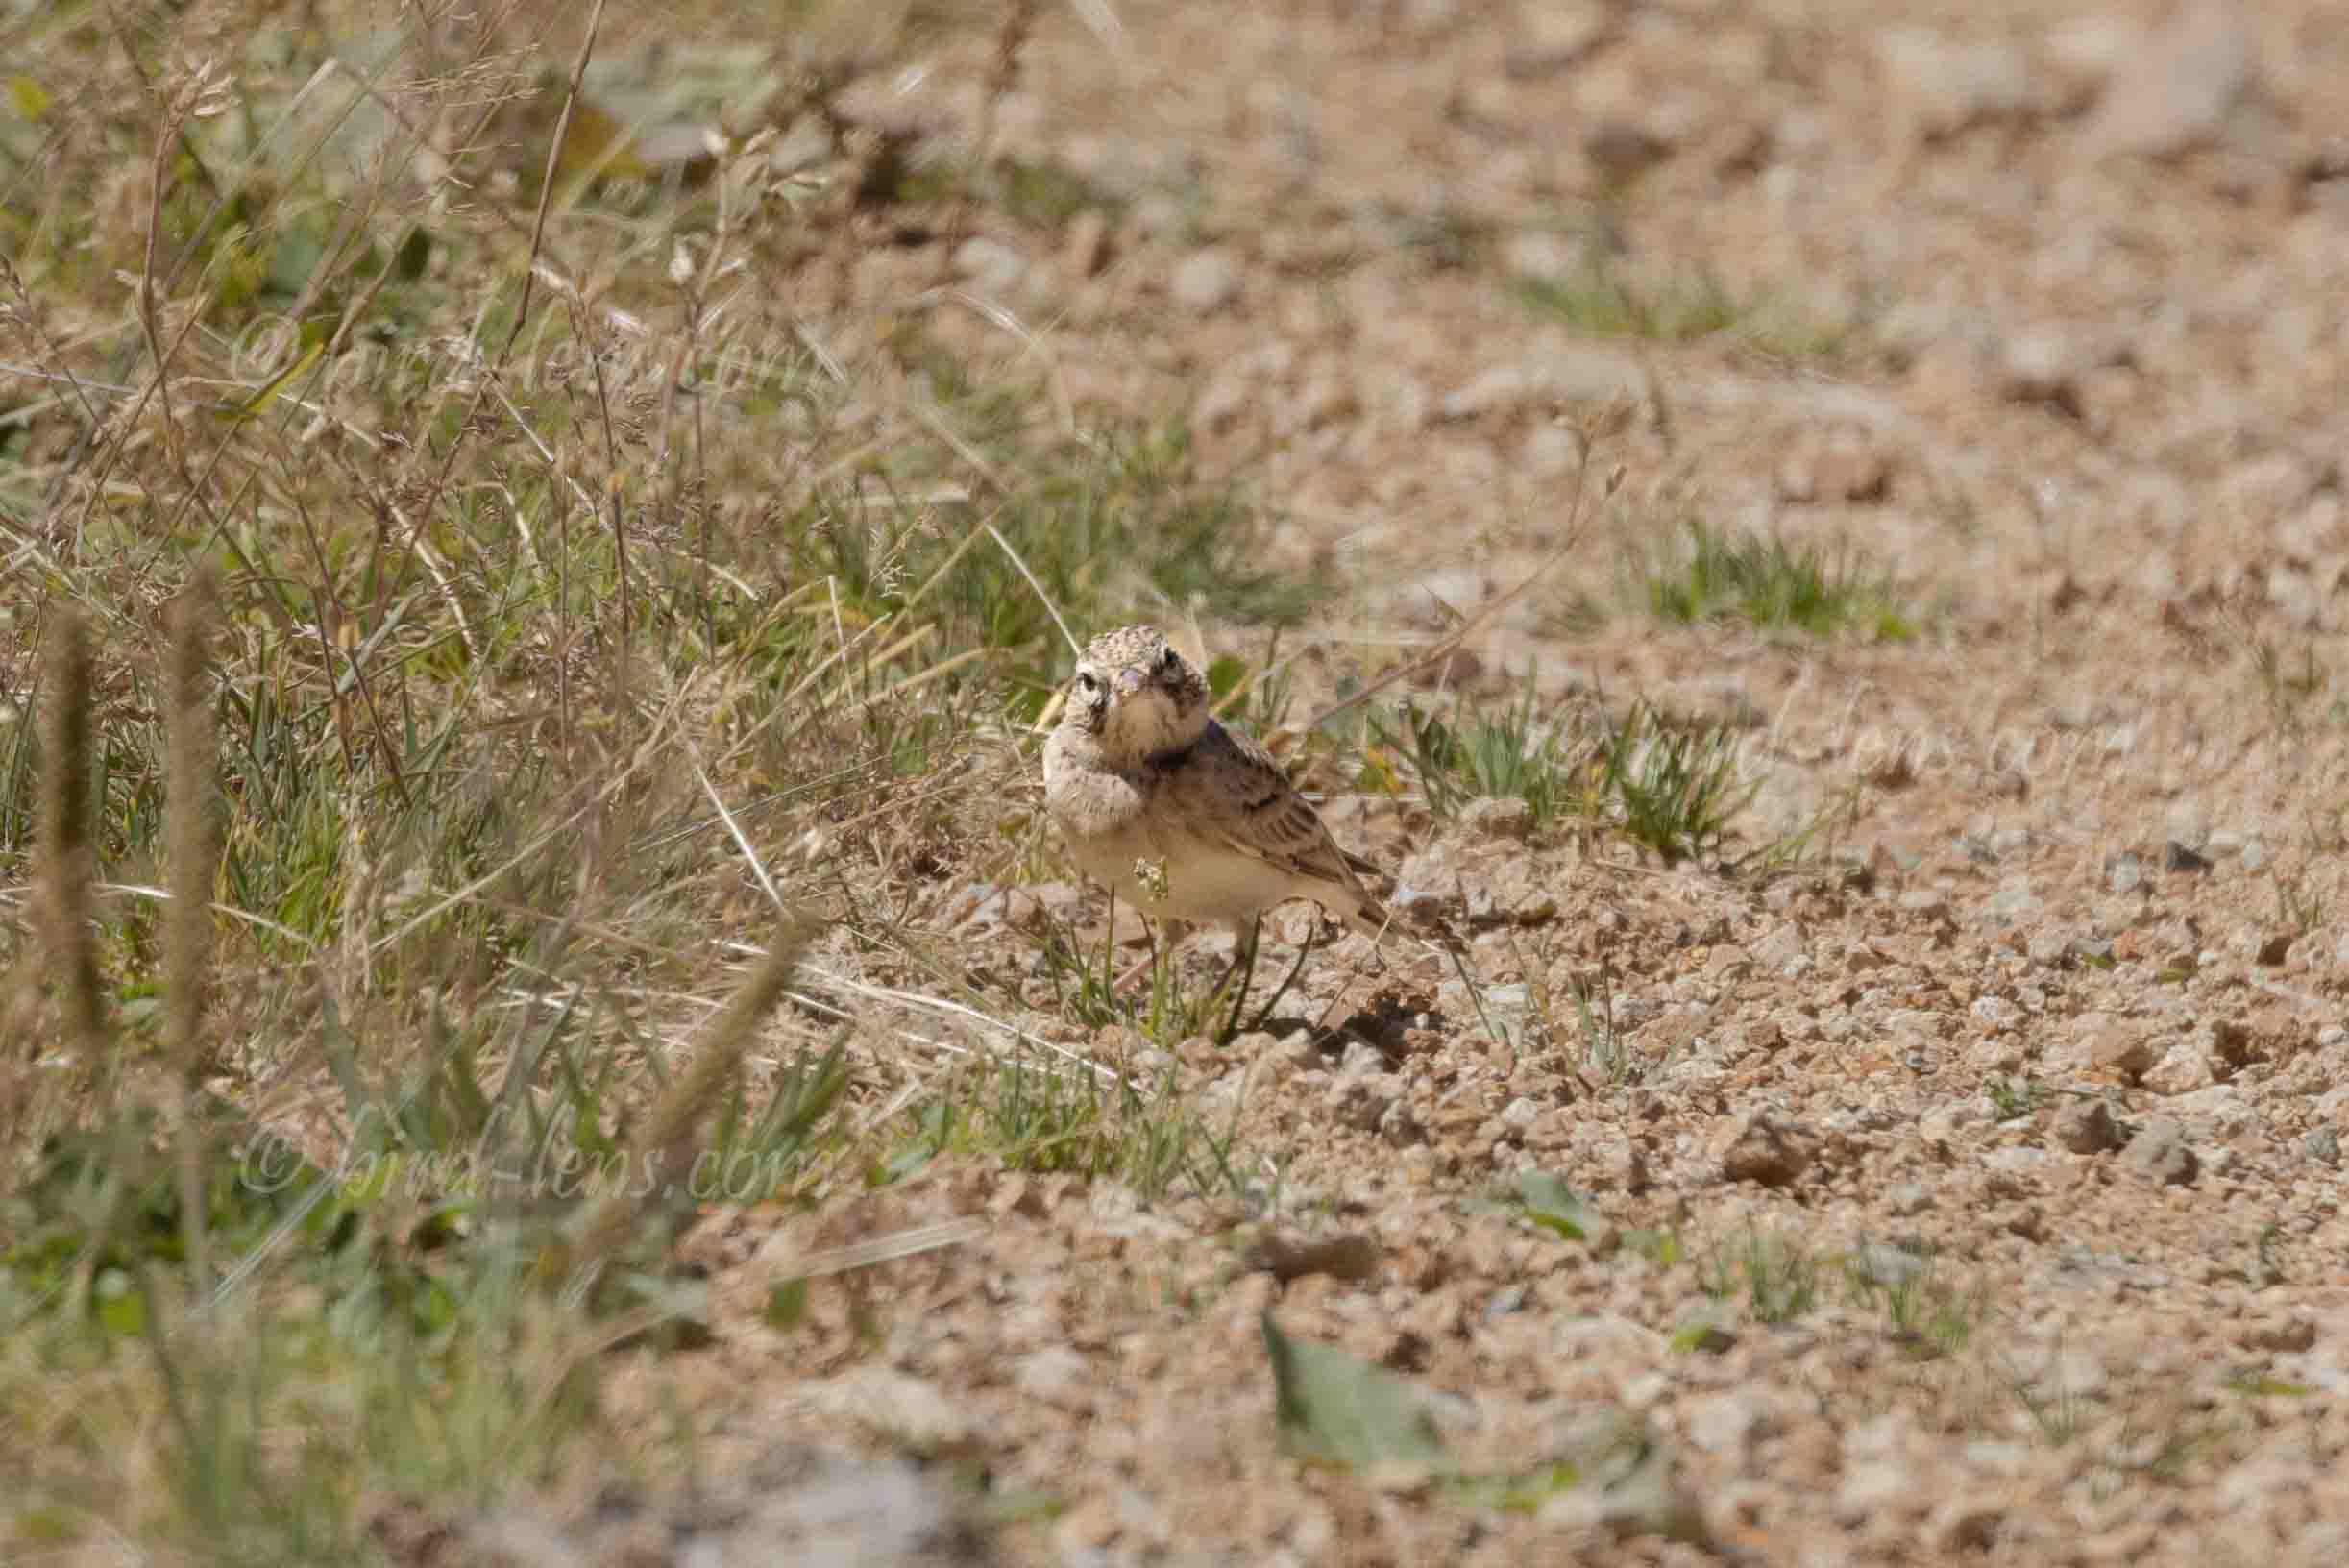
(1660, 1247)
(298, 255)
(1224, 674)
(414, 252)
(120, 1306)
(787, 1305)
(1552, 1204)
(1703, 1331)
(2256, 1384)
(1518, 1493)
(28, 97)
(1342, 1409)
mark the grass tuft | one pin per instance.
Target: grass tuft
(665, 1150)
(1143, 1129)
(1475, 753)
(1674, 785)
(1604, 301)
(1769, 583)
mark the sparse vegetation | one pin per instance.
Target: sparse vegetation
(1674, 786)
(524, 596)
(2286, 687)
(1706, 574)
(1473, 752)
(1671, 785)
(1135, 1127)
(1607, 301)
(557, 578)
(1603, 303)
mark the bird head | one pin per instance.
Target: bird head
(1138, 694)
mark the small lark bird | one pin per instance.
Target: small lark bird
(1177, 815)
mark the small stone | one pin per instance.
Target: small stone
(1906, 1198)
(1205, 280)
(1498, 817)
(2159, 1151)
(1631, 1167)
(1417, 903)
(2173, 91)
(1871, 1485)
(1400, 1126)
(1758, 1148)
(2113, 1049)
(1086, 248)
(1540, 252)
(1925, 901)
(2232, 1040)
(1539, 910)
(2087, 1127)
(2124, 873)
(1489, 391)
(1360, 1099)
(1939, 86)
(986, 906)
(2182, 1069)
(1723, 1423)
(2015, 902)
(905, 1410)
(1621, 151)
(1834, 475)
(1775, 948)
(1880, 1263)
(2275, 947)
(992, 267)
(2285, 1334)
(2046, 368)
(1351, 1256)
(1964, 1524)
(1549, 452)
(2049, 949)
(1551, 35)
(1056, 1376)
(2323, 1145)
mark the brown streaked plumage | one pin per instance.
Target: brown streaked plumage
(1179, 815)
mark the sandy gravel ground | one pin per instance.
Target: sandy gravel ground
(1972, 1195)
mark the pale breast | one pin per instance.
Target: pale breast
(1138, 833)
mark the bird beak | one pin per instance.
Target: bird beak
(1131, 681)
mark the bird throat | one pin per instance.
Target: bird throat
(1147, 724)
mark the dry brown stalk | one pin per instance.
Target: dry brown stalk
(669, 1131)
(66, 871)
(192, 831)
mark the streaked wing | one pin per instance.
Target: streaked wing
(1228, 788)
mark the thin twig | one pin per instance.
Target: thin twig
(1051, 609)
(1445, 646)
(546, 189)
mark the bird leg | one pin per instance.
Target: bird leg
(1131, 979)
(1264, 1013)
(1243, 965)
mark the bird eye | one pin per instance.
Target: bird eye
(1169, 659)
(1086, 682)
